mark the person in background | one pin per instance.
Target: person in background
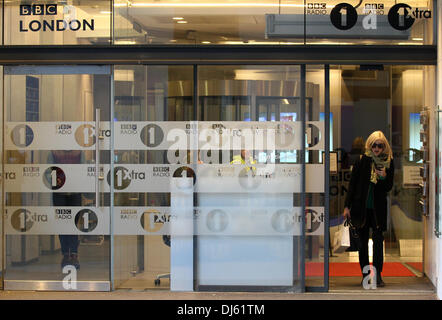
(366, 202)
(69, 242)
(357, 150)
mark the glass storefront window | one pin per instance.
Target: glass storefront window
(199, 22)
(150, 103)
(235, 234)
(253, 208)
(273, 22)
(247, 22)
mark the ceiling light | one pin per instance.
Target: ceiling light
(206, 42)
(181, 21)
(178, 18)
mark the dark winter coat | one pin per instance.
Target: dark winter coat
(356, 199)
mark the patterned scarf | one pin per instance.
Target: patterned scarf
(378, 161)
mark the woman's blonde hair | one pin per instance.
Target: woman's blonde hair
(379, 135)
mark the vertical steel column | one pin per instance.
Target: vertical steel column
(195, 195)
(2, 229)
(326, 175)
(111, 183)
(303, 196)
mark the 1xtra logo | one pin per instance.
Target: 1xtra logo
(23, 220)
(153, 221)
(401, 16)
(123, 177)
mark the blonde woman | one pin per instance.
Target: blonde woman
(366, 201)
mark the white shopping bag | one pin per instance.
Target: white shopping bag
(341, 240)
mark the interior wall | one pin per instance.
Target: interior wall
(335, 104)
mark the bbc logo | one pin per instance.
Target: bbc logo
(38, 9)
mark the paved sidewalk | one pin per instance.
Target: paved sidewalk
(166, 295)
(341, 288)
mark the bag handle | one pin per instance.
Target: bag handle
(348, 223)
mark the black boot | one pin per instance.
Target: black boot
(379, 282)
(74, 260)
(66, 260)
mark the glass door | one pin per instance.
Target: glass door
(250, 226)
(56, 198)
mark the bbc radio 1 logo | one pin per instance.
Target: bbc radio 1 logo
(22, 135)
(401, 16)
(86, 220)
(54, 178)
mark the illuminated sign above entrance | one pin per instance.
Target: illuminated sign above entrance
(400, 16)
(50, 10)
(374, 20)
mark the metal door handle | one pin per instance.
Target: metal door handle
(98, 176)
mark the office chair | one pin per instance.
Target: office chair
(166, 240)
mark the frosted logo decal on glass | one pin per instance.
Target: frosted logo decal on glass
(22, 135)
(219, 178)
(242, 220)
(165, 135)
(44, 178)
(33, 136)
(58, 220)
(212, 135)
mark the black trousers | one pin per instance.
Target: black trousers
(69, 243)
(378, 241)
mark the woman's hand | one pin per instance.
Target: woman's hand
(381, 173)
(346, 213)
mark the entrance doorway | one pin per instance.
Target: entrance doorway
(56, 204)
(258, 221)
(387, 98)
